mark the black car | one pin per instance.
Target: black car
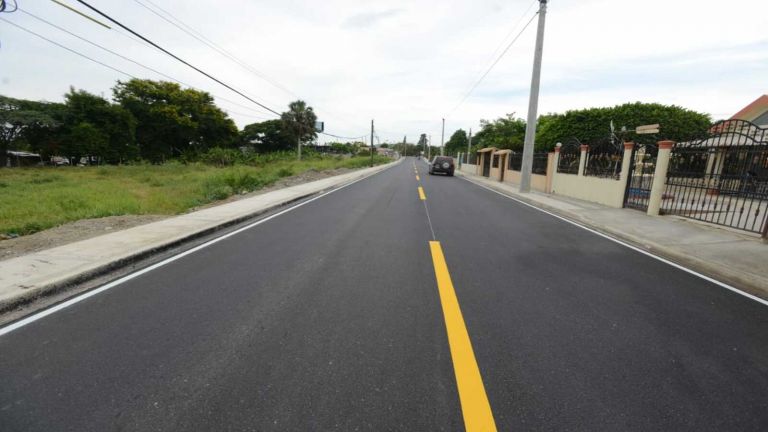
(441, 164)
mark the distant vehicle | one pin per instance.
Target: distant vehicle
(442, 164)
(59, 161)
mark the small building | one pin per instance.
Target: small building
(16, 158)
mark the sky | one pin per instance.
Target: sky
(406, 64)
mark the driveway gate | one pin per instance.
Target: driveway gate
(642, 166)
(723, 178)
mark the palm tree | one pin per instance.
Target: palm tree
(300, 119)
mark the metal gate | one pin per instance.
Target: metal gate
(722, 178)
(642, 167)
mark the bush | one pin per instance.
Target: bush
(222, 157)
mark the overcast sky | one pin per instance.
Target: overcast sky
(409, 63)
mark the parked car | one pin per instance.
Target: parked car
(442, 164)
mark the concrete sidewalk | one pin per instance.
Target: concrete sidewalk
(736, 258)
(30, 276)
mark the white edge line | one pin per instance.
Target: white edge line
(77, 299)
(634, 248)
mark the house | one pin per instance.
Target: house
(756, 112)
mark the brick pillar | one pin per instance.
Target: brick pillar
(659, 177)
(582, 159)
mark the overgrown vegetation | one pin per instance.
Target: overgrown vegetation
(35, 199)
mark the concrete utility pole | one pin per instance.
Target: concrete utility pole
(405, 141)
(371, 142)
(429, 148)
(298, 143)
(442, 140)
(533, 104)
(469, 144)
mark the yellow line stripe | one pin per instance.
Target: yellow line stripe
(421, 194)
(474, 402)
(418, 178)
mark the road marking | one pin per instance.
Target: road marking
(475, 407)
(77, 299)
(630, 246)
(418, 178)
(421, 194)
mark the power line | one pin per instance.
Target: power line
(177, 57)
(104, 64)
(4, 6)
(179, 24)
(482, 77)
(68, 49)
(132, 61)
(343, 137)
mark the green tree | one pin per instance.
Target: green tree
(457, 143)
(300, 119)
(172, 120)
(267, 136)
(593, 125)
(109, 129)
(18, 117)
(504, 133)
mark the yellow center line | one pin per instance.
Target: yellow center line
(418, 178)
(421, 194)
(474, 402)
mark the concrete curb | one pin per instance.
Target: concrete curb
(28, 294)
(753, 284)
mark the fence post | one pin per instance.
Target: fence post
(626, 161)
(555, 165)
(582, 159)
(659, 177)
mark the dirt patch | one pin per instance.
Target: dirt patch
(88, 228)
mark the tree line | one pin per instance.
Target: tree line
(588, 126)
(146, 120)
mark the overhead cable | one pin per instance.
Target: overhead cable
(176, 57)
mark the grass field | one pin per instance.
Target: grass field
(35, 199)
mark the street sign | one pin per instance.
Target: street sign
(648, 129)
(319, 126)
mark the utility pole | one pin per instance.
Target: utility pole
(429, 148)
(469, 144)
(442, 140)
(371, 142)
(533, 104)
(405, 148)
(298, 142)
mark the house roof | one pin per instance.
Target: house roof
(753, 111)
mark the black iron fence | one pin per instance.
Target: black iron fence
(604, 160)
(570, 153)
(722, 178)
(642, 167)
(515, 162)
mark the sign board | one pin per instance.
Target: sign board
(648, 129)
(319, 126)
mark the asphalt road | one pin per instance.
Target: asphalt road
(329, 317)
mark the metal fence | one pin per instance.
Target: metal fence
(570, 153)
(604, 160)
(642, 168)
(722, 178)
(540, 161)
